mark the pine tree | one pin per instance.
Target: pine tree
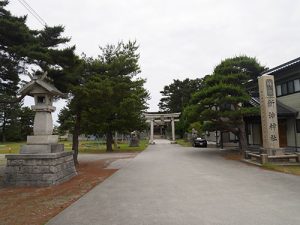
(222, 102)
(177, 95)
(111, 97)
(13, 32)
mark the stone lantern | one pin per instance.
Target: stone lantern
(42, 161)
(42, 141)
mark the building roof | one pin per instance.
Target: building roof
(282, 109)
(283, 66)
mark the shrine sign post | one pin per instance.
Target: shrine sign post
(268, 113)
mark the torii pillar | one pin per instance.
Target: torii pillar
(173, 130)
(151, 141)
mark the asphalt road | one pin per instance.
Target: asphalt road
(171, 185)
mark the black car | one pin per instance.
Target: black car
(199, 142)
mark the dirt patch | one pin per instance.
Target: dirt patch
(38, 205)
(232, 155)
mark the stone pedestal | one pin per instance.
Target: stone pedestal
(134, 142)
(42, 148)
(39, 169)
(42, 144)
(264, 158)
(273, 151)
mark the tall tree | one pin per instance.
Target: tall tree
(113, 96)
(222, 102)
(70, 120)
(13, 35)
(176, 97)
(178, 94)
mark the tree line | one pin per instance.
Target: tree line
(104, 93)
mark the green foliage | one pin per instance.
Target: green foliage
(84, 147)
(10, 147)
(222, 103)
(178, 94)
(223, 100)
(110, 97)
(26, 118)
(115, 98)
(208, 126)
(32, 52)
(290, 169)
(184, 143)
(17, 123)
(198, 126)
(22, 49)
(246, 67)
(96, 147)
(66, 120)
(12, 34)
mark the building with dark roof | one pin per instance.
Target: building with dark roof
(287, 81)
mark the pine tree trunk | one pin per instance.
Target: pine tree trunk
(116, 141)
(242, 138)
(109, 141)
(76, 132)
(4, 130)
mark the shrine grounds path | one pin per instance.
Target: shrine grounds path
(172, 185)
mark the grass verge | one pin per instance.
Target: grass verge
(98, 147)
(10, 147)
(283, 169)
(84, 147)
(184, 143)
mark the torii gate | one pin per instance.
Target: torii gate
(162, 118)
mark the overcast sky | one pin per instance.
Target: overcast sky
(177, 39)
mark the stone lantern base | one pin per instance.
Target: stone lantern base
(39, 169)
(42, 144)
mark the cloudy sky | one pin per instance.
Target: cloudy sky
(177, 39)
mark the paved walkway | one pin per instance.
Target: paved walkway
(171, 185)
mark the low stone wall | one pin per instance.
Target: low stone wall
(39, 169)
(265, 158)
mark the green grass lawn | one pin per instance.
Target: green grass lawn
(184, 143)
(10, 147)
(98, 147)
(84, 147)
(284, 169)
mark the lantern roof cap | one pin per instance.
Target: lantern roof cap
(39, 82)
